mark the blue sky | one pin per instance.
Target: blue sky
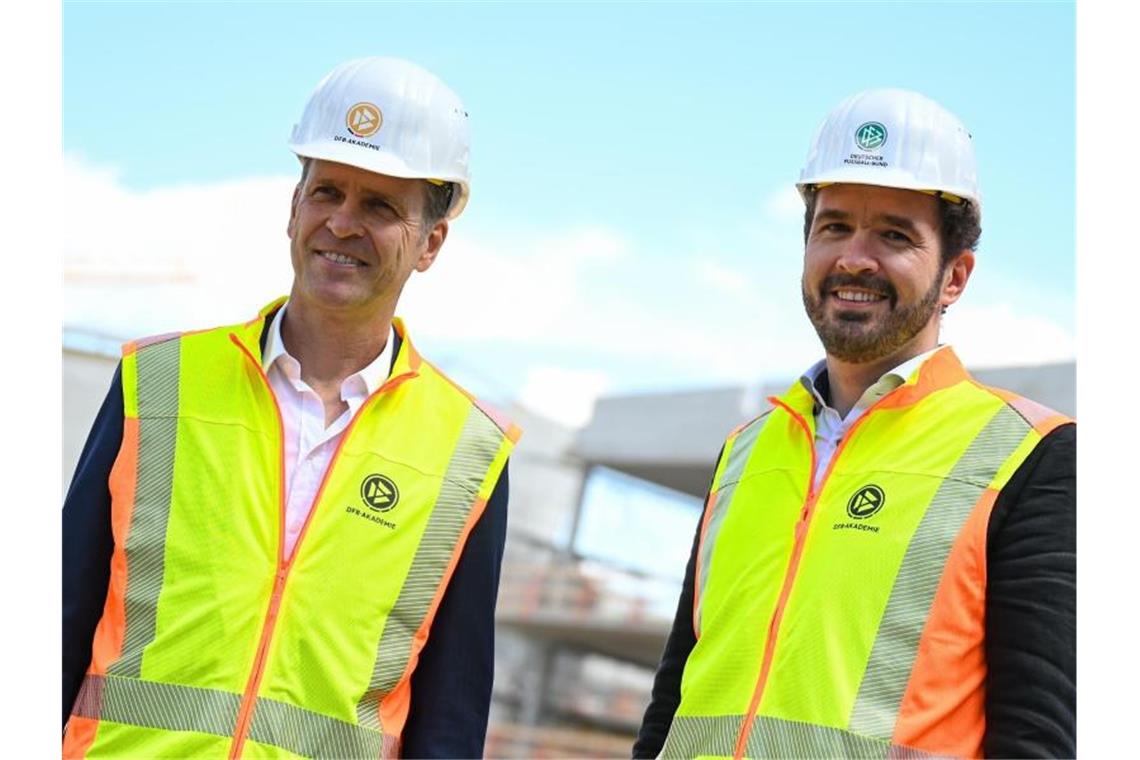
(632, 224)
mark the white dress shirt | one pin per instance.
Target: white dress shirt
(830, 428)
(309, 445)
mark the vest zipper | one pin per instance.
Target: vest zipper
(249, 698)
(245, 714)
(800, 532)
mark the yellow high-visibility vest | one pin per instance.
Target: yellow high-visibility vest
(848, 619)
(213, 643)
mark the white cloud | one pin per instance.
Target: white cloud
(565, 396)
(142, 262)
(995, 335)
(532, 289)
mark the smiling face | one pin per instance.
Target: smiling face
(873, 281)
(356, 237)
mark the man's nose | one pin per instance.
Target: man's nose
(344, 222)
(857, 255)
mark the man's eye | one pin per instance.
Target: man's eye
(323, 191)
(834, 228)
(896, 237)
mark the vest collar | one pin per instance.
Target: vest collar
(940, 369)
(249, 336)
(408, 359)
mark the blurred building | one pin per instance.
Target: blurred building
(601, 523)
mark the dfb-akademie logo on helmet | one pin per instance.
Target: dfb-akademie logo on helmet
(363, 119)
(379, 493)
(870, 136)
(867, 501)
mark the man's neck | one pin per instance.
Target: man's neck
(849, 381)
(331, 346)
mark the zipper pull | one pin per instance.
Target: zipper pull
(801, 523)
(278, 589)
(807, 505)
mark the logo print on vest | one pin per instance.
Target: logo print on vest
(867, 501)
(363, 120)
(379, 493)
(870, 136)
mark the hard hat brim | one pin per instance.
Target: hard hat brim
(883, 177)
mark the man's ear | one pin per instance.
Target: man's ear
(290, 229)
(432, 245)
(956, 276)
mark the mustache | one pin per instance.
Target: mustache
(867, 282)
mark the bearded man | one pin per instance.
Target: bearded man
(886, 561)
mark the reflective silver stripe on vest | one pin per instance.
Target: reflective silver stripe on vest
(896, 644)
(690, 736)
(737, 458)
(150, 704)
(157, 705)
(311, 734)
(478, 444)
(146, 541)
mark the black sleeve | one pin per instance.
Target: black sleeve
(87, 541)
(667, 683)
(666, 694)
(451, 685)
(1031, 606)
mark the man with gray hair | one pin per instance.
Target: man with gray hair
(284, 536)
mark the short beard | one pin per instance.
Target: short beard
(846, 338)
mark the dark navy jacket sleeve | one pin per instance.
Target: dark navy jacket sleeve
(87, 541)
(451, 685)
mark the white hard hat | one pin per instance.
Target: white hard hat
(894, 138)
(391, 117)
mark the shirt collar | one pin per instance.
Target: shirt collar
(373, 376)
(813, 380)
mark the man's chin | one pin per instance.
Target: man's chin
(852, 354)
(334, 296)
(853, 346)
